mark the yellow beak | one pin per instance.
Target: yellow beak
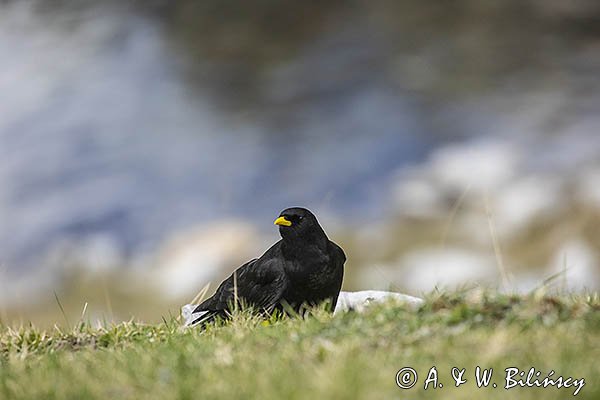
(282, 221)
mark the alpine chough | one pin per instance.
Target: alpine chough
(303, 269)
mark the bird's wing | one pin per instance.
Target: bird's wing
(257, 284)
(262, 285)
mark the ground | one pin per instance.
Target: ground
(350, 355)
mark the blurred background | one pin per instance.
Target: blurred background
(147, 146)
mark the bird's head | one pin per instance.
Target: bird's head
(298, 222)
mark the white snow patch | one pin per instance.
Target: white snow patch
(358, 301)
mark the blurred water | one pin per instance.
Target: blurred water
(100, 136)
(104, 132)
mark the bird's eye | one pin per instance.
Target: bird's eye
(294, 218)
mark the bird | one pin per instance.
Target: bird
(303, 269)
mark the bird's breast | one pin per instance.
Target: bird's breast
(312, 283)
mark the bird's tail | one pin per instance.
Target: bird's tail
(201, 318)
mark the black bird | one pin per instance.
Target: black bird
(303, 269)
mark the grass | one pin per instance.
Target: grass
(344, 356)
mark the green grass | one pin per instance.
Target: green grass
(345, 356)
